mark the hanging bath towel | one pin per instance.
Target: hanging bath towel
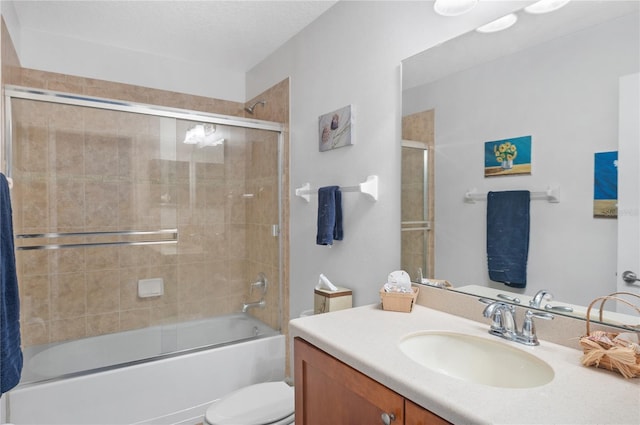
(508, 236)
(10, 349)
(329, 215)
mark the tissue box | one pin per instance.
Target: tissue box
(325, 301)
(398, 301)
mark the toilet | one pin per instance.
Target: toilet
(268, 403)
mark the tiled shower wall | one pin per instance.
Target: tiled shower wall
(97, 284)
(87, 170)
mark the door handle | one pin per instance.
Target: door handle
(630, 277)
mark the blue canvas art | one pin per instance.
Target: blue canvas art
(605, 184)
(507, 156)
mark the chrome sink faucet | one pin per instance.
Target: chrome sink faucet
(502, 317)
(503, 323)
(542, 294)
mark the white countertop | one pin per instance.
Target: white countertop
(367, 338)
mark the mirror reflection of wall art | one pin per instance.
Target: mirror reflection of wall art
(335, 129)
(507, 156)
(605, 184)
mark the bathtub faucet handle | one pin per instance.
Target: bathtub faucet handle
(260, 282)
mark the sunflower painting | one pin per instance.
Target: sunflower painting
(507, 156)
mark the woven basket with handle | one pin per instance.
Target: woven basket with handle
(604, 350)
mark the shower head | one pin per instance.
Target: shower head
(249, 109)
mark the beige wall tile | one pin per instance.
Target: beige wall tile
(113, 173)
(68, 329)
(68, 296)
(35, 332)
(34, 299)
(33, 151)
(66, 260)
(31, 263)
(67, 205)
(164, 314)
(100, 324)
(101, 210)
(34, 208)
(103, 292)
(135, 319)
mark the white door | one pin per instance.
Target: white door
(629, 182)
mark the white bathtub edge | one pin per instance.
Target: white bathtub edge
(151, 390)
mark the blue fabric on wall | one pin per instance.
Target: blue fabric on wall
(508, 220)
(329, 215)
(10, 349)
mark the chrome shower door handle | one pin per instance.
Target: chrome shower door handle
(630, 277)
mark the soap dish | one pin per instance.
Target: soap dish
(398, 301)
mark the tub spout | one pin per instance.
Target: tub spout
(257, 304)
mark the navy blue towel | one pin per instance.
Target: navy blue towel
(329, 215)
(508, 236)
(10, 349)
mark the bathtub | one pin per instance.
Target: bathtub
(130, 377)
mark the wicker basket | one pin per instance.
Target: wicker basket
(398, 301)
(602, 350)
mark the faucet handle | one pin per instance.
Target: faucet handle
(486, 300)
(528, 335)
(261, 282)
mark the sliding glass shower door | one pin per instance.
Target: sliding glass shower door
(129, 217)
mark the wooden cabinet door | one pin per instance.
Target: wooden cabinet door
(416, 415)
(328, 391)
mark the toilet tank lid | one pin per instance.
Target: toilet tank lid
(256, 404)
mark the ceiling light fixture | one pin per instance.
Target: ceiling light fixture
(545, 6)
(453, 7)
(499, 24)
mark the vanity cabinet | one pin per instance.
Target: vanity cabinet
(328, 391)
(417, 415)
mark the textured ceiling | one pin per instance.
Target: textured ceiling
(238, 33)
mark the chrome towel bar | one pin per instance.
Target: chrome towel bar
(172, 232)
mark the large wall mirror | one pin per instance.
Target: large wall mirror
(569, 80)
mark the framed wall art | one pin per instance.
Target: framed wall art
(507, 156)
(605, 184)
(335, 129)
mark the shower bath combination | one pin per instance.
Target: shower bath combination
(250, 109)
(140, 163)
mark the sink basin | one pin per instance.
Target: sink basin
(474, 359)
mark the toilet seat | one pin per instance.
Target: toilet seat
(268, 403)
